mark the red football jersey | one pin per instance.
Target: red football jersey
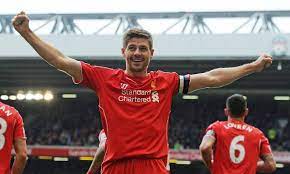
(134, 110)
(237, 148)
(11, 127)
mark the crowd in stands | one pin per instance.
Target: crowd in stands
(76, 123)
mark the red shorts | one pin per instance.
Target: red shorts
(136, 166)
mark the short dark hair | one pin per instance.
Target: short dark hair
(237, 105)
(137, 33)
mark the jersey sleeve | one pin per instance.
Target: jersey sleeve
(173, 79)
(265, 147)
(19, 131)
(175, 83)
(93, 76)
(212, 129)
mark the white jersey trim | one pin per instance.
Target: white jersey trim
(181, 84)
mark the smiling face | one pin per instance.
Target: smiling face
(137, 51)
(137, 55)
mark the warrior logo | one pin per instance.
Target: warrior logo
(123, 85)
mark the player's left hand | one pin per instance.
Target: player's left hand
(264, 61)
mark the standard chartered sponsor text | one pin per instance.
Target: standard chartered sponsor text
(135, 92)
(136, 96)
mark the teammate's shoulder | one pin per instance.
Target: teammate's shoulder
(255, 129)
(3, 105)
(9, 110)
(216, 123)
(15, 112)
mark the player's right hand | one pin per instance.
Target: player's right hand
(21, 22)
(263, 62)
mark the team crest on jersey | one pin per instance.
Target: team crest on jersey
(155, 97)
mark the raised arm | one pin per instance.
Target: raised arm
(267, 165)
(20, 157)
(50, 54)
(205, 148)
(223, 76)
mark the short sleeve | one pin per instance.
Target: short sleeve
(212, 129)
(172, 81)
(94, 76)
(175, 83)
(265, 147)
(19, 131)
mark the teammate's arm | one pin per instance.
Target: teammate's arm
(20, 157)
(223, 76)
(205, 148)
(98, 159)
(50, 54)
(267, 165)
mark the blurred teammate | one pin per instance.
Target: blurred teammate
(236, 146)
(99, 156)
(11, 134)
(134, 103)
